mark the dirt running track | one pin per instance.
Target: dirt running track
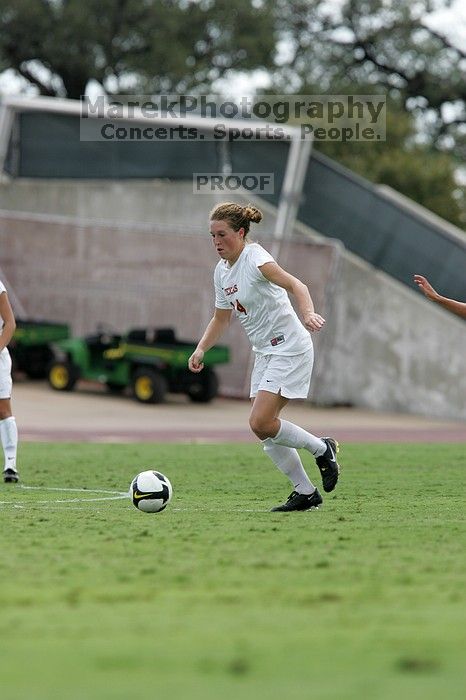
(90, 415)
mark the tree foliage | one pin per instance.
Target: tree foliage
(387, 44)
(132, 45)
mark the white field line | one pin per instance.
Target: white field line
(78, 490)
(109, 496)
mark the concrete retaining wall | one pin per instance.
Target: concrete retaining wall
(389, 348)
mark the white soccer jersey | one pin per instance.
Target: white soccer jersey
(263, 308)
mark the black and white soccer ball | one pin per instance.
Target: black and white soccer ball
(150, 491)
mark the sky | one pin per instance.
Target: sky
(452, 22)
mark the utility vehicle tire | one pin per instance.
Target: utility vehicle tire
(62, 375)
(149, 386)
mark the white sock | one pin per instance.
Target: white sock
(9, 440)
(289, 462)
(292, 435)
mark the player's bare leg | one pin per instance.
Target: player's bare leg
(264, 418)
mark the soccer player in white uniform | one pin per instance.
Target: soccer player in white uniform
(8, 429)
(251, 285)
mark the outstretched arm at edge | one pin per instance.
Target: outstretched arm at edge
(456, 307)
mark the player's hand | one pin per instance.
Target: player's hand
(313, 321)
(425, 286)
(195, 362)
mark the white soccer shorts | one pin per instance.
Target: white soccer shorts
(288, 375)
(5, 375)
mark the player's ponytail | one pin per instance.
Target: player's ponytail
(253, 213)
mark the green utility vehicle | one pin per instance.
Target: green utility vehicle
(30, 347)
(151, 362)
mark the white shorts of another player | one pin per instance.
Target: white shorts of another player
(5, 374)
(289, 375)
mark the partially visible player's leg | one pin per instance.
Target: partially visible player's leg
(9, 440)
(8, 429)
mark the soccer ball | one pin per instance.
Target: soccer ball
(150, 491)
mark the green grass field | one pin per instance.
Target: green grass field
(217, 598)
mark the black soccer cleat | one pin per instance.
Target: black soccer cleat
(10, 476)
(328, 465)
(300, 501)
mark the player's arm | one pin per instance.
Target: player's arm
(9, 323)
(274, 273)
(216, 326)
(457, 307)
